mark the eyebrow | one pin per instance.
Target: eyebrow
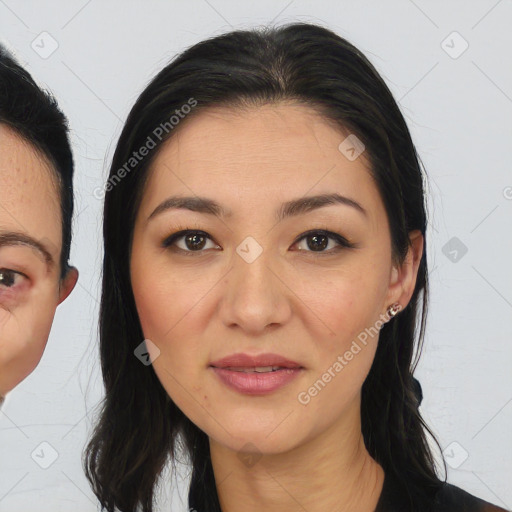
(12, 238)
(288, 209)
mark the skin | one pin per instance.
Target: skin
(291, 300)
(30, 287)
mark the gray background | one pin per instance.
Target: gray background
(458, 105)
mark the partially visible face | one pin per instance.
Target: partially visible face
(30, 245)
(305, 297)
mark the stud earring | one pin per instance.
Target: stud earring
(394, 309)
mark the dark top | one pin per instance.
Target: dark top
(448, 498)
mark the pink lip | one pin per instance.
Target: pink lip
(254, 383)
(246, 361)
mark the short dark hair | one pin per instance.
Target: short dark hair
(34, 115)
(140, 426)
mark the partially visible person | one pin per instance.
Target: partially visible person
(36, 208)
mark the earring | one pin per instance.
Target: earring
(394, 309)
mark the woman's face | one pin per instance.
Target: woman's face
(253, 282)
(30, 245)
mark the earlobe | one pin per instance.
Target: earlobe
(68, 283)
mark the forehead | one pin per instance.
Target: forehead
(29, 194)
(291, 130)
(257, 153)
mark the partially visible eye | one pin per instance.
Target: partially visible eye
(194, 241)
(10, 278)
(318, 241)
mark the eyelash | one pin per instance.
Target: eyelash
(343, 243)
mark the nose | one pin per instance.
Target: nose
(255, 298)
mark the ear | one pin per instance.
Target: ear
(68, 283)
(403, 277)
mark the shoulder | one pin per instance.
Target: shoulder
(451, 498)
(440, 496)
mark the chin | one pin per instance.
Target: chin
(257, 442)
(266, 435)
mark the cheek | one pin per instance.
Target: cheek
(167, 308)
(346, 301)
(24, 332)
(165, 301)
(37, 316)
(349, 304)
(175, 310)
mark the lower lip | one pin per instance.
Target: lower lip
(254, 383)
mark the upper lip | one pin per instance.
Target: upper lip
(247, 361)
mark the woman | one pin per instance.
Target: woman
(264, 237)
(36, 208)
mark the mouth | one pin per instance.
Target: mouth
(260, 363)
(256, 369)
(256, 375)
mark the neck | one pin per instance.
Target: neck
(332, 471)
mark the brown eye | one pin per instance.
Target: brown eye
(194, 241)
(191, 241)
(317, 241)
(8, 278)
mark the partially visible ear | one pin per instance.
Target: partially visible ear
(68, 283)
(403, 277)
